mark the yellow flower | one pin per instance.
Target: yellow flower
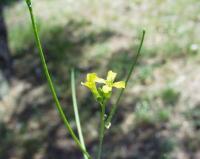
(91, 80)
(109, 82)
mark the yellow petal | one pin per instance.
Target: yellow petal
(91, 77)
(87, 84)
(111, 76)
(120, 84)
(106, 89)
(92, 87)
(100, 80)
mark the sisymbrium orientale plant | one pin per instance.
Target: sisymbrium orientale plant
(99, 87)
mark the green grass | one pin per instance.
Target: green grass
(171, 26)
(149, 114)
(170, 96)
(193, 115)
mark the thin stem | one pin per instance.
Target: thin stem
(114, 107)
(76, 112)
(101, 131)
(50, 83)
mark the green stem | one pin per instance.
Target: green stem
(101, 131)
(76, 112)
(114, 107)
(50, 83)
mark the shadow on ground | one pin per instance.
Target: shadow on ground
(34, 130)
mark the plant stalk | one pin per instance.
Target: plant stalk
(114, 107)
(101, 130)
(50, 83)
(76, 112)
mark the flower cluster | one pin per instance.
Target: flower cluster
(104, 91)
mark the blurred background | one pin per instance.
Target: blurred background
(159, 114)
